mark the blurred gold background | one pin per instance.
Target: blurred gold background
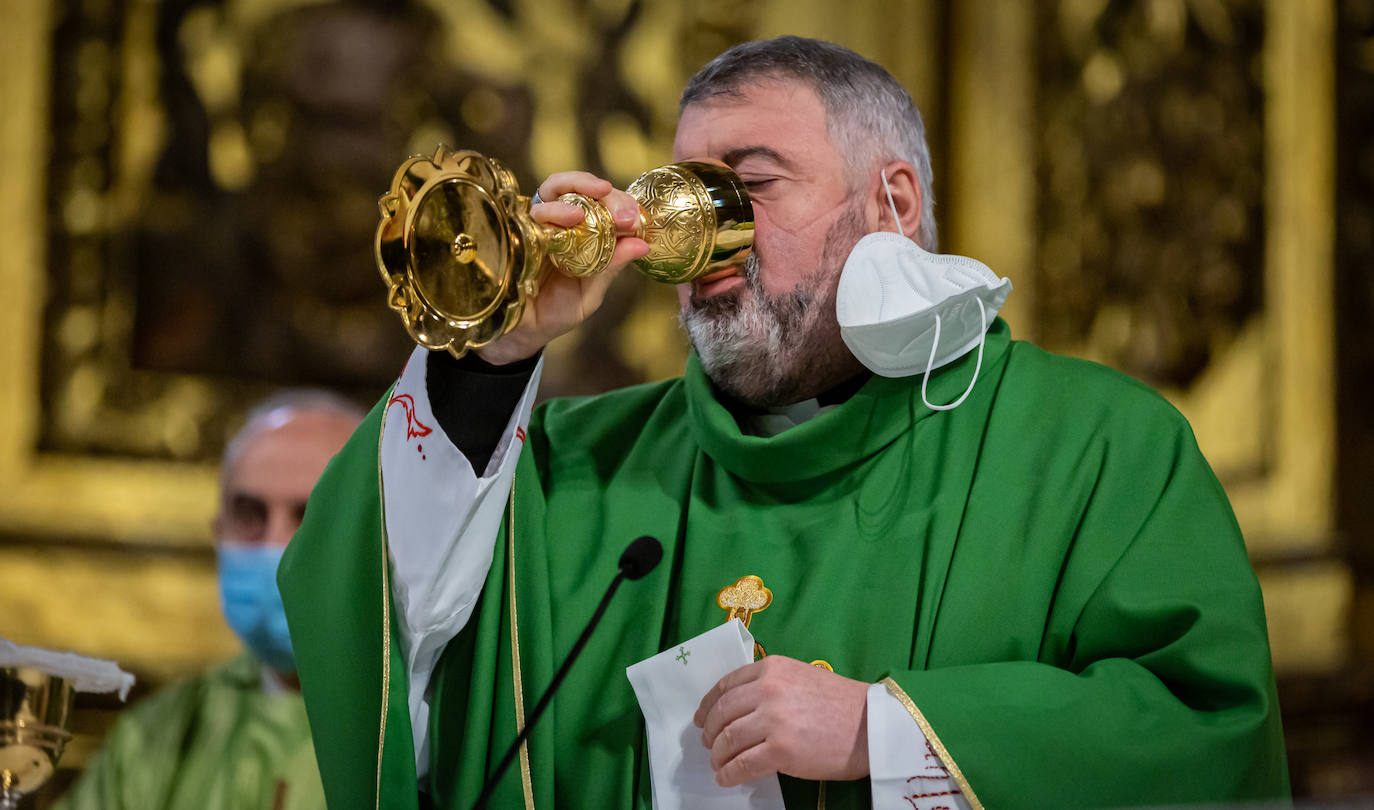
(1182, 189)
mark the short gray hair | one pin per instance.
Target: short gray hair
(870, 116)
(276, 409)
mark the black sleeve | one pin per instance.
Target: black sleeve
(473, 400)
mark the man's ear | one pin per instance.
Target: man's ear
(906, 198)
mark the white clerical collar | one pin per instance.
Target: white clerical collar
(773, 421)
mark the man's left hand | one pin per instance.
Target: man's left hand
(780, 715)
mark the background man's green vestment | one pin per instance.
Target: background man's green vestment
(1050, 572)
(215, 742)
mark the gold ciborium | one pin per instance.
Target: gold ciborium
(461, 255)
(35, 709)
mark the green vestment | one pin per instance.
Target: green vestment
(216, 742)
(1049, 574)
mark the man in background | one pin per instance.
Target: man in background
(236, 736)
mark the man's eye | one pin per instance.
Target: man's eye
(247, 519)
(757, 184)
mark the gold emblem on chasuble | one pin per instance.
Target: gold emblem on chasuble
(745, 597)
(741, 600)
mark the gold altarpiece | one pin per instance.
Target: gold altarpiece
(1157, 177)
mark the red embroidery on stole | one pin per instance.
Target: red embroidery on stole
(415, 429)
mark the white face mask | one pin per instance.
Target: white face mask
(904, 311)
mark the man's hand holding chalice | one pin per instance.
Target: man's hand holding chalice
(565, 301)
(472, 264)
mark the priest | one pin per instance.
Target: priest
(1024, 583)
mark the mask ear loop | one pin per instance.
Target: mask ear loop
(896, 220)
(982, 338)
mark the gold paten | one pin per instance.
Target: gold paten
(461, 256)
(35, 711)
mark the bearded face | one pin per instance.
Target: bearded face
(767, 333)
(768, 350)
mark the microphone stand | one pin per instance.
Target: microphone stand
(543, 703)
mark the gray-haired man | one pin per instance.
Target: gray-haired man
(1027, 582)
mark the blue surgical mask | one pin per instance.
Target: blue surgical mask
(252, 603)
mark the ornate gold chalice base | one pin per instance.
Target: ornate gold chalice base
(461, 255)
(35, 709)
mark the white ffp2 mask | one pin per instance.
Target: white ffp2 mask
(903, 310)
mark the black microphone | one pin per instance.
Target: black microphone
(638, 559)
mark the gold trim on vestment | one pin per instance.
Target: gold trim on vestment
(386, 611)
(526, 783)
(895, 689)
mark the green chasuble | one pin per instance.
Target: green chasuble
(1049, 575)
(216, 742)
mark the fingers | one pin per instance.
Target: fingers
(732, 705)
(737, 732)
(624, 211)
(763, 759)
(627, 249)
(564, 215)
(565, 301)
(780, 715)
(623, 207)
(560, 183)
(592, 289)
(743, 675)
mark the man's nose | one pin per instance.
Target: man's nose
(282, 523)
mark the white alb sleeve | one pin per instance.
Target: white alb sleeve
(903, 768)
(441, 521)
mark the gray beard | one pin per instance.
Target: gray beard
(768, 351)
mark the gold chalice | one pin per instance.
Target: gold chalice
(35, 709)
(461, 255)
(37, 690)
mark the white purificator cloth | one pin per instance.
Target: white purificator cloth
(669, 687)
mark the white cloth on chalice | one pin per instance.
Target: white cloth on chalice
(86, 674)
